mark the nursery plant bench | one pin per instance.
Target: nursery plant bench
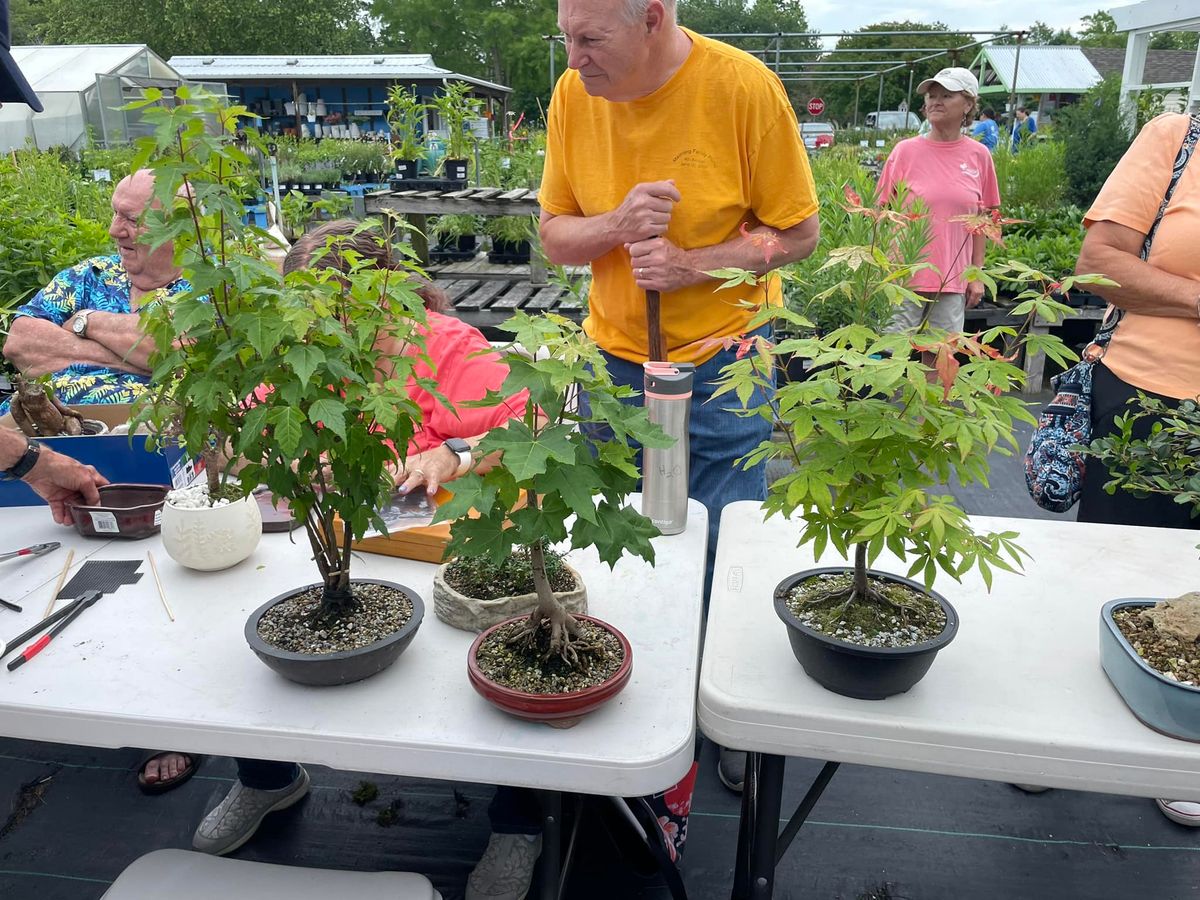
(417, 205)
(1019, 696)
(129, 677)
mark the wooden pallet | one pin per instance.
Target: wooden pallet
(487, 302)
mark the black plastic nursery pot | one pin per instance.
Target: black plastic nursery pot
(456, 169)
(406, 169)
(509, 252)
(854, 670)
(336, 668)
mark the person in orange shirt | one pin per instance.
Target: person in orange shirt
(1156, 347)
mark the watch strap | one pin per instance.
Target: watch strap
(28, 460)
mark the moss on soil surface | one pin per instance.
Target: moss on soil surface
(484, 580)
(378, 612)
(522, 669)
(1165, 654)
(900, 617)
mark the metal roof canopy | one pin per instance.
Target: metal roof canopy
(880, 68)
(1041, 70)
(356, 67)
(1139, 21)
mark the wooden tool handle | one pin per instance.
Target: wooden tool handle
(658, 347)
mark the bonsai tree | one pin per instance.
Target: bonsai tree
(454, 107)
(281, 375)
(874, 434)
(553, 455)
(406, 119)
(1166, 462)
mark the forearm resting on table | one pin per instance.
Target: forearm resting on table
(1113, 251)
(37, 347)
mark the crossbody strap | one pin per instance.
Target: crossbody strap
(1113, 318)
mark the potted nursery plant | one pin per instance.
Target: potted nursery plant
(286, 375)
(510, 238)
(455, 236)
(454, 107)
(1150, 648)
(873, 433)
(406, 119)
(548, 664)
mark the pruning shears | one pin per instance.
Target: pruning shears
(35, 550)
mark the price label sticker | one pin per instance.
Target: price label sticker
(104, 522)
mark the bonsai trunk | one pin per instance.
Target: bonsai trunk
(862, 587)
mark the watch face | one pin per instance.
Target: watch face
(79, 325)
(458, 445)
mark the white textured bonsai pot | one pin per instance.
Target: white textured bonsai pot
(212, 538)
(472, 614)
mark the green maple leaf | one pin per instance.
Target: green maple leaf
(288, 424)
(331, 413)
(526, 454)
(574, 485)
(303, 360)
(486, 536)
(616, 530)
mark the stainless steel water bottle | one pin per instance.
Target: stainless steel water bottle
(668, 396)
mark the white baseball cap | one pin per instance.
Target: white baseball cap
(954, 78)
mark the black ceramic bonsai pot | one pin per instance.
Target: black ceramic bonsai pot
(336, 668)
(853, 670)
(1167, 706)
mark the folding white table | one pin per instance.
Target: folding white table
(123, 675)
(1018, 696)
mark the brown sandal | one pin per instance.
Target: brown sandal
(166, 784)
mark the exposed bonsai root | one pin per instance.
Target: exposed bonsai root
(565, 640)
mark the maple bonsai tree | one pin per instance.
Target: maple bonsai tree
(281, 375)
(873, 433)
(576, 483)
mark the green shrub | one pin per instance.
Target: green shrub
(1036, 176)
(1094, 137)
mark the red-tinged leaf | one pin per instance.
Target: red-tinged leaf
(766, 242)
(852, 196)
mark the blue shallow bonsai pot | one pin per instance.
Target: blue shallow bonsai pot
(1167, 706)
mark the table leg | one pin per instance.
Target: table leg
(420, 239)
(758, 832)
(550, 864)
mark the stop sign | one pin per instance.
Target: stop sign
(816, 106)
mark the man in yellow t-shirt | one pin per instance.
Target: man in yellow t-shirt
(670, 155)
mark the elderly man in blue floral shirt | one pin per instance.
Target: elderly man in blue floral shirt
(82, 329)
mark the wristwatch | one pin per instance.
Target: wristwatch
(80, 322)
(462, 450)
(25, 464)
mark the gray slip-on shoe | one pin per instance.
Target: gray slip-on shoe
(238, 816)
(731, 769)
(505, 870)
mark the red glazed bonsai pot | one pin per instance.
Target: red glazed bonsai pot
(551, 708)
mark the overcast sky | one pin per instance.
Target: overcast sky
(838, 15)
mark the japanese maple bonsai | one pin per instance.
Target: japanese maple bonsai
(550, 664)
(284, 378)
(872, 435)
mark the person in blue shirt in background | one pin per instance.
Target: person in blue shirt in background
(1024, 128)
(986, 131)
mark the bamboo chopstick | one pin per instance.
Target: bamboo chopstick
(62, 576)
(161, 595)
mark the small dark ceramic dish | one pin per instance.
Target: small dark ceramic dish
(125, 511)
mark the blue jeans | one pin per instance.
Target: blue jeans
(266, 774)
(717, 437)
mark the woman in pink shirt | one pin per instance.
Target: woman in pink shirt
(953, 176)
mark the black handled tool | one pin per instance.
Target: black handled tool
(76, 610)
(6, 646)
(11, 606)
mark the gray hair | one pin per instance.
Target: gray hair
(635, 10)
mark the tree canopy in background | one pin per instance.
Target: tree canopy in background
(198, 26)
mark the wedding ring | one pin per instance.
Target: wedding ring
(640, 272)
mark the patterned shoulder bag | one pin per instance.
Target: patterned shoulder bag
(1054, 471)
